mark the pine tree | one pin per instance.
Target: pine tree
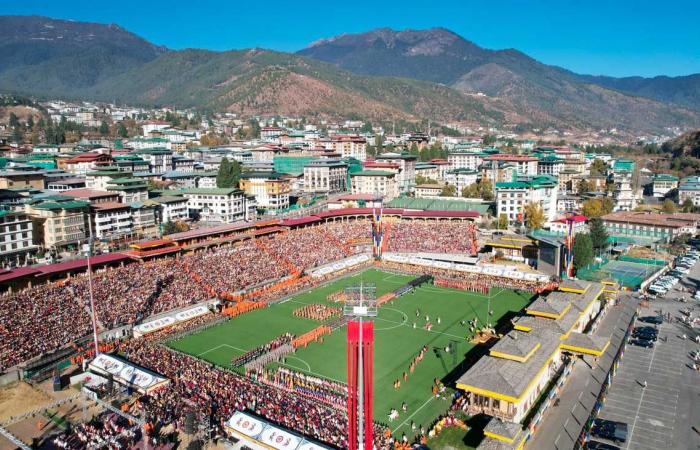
(599, 235)
(104, 128)
(583, 250)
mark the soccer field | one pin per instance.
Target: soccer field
(397, 342)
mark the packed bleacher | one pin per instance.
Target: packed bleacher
(220, 393)
(429, 237)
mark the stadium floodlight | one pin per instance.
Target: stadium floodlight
(360, 300)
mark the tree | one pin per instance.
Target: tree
(599, 235)
(687, 205)
(534, 216)
(366, 127)
(122, 131)
(30, 122)
(13, 121)
(420, 179)
(448, 190)
(668, 206)
(607, 205)
(502, 222)
(17, 135)
(583, 250)
(599, 166)
(229, 174)
(170, 227)
(594, 207)
(583, 187)
(104, 128)
(486, 190)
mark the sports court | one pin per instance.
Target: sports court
(397, 340)
(629, 274)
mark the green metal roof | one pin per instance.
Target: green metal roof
(533, 183)
(665, 177)
(71, 204)
(211, 191)
(373, 173)
(425, 204)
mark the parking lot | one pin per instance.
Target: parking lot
(666, 413)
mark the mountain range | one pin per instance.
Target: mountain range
(381, 75)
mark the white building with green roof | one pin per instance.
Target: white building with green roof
(663, 183)
(513, 196)
(220, 205)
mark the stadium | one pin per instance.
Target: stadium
(209, 324)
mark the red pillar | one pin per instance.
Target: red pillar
(352, 341)
(368, 362)
(353, 347)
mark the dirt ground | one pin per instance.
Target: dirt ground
(19, 398)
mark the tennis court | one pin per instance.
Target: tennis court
(629, 274)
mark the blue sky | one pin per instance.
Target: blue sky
(614, 37)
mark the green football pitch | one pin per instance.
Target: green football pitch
(397, 342)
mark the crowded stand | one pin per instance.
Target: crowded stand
(38, 321)
(220, 393)
(429, 237)
(231, 269)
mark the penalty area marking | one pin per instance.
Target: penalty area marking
(222, 345)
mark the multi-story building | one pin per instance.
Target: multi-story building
(348, 146)
(112, 220)
(406, 178)
(86, 162)
(524, 165)
(171, 209)
(689, 188)
(101, 178)
(377, 182)
(131, 163)
(160, 159)
(466, 159)
(16, 237)
(623, 170)
(66, 184)
(325, 176)
(145, 218)
(143, 143)
(663, 183)
(549, 164)
(130, 190)
(513, 196)
(660, 227)
(59, 224)
(270, 189)
(220, 205)
(10, 179)
(461, 178)
(428, 190)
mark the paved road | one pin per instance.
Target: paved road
(665, 414)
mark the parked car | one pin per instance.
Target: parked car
(658, 320)
(595, 445)
(639, 342)
(610, 430)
